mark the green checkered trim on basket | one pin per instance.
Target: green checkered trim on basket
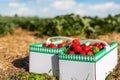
(39, 49)
(82, 58)
(76, 58)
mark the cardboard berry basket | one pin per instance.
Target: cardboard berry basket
(45, 60)
(83, 67)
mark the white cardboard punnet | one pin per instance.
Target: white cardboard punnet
(85, 70)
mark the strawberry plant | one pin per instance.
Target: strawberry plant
(6, 28)
(65, 25)
(30, 76)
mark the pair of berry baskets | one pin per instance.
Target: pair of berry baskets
(55, 61)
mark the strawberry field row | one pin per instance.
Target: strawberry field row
(65, 25)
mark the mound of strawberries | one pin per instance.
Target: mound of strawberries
(51, 45)
(76, 48)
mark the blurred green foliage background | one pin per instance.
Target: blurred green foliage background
(64, 25)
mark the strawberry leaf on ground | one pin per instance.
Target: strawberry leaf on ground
(30, 76)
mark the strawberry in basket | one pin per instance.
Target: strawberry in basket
(91, 49)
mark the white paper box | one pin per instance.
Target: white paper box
(44, 60)
(97, 67)
(44, 63)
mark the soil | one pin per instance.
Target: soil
(14, 51)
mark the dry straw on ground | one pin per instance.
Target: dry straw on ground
(14, 52)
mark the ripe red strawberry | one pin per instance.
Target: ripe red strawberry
(71, 52)
(102, 44)
(77, 42)
(86, 48)
(45, 45)
(77, 49)
(82, 52)
(72, 46)
(83, 45)
(59, 46)
(52, 45)
(96, 44)
(100, 47)
(89, 53)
